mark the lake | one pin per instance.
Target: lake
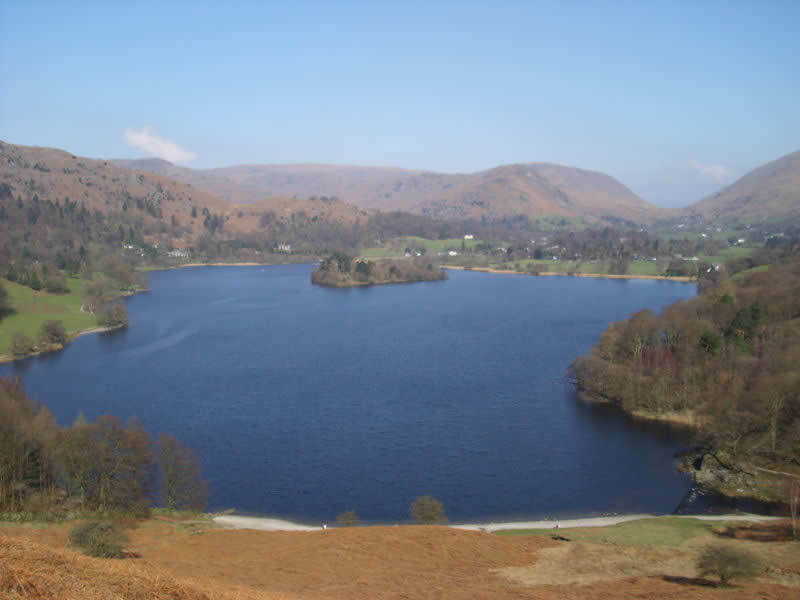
(303, 401)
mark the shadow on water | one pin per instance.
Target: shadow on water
(606, 413)
(21, 366)
(701, 501)
(114, 336)
(698, 500)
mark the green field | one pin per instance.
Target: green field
(34, 308)
(660, 531)
(436, 245)
(396, 247)
(548, 223)
(637, 267)
(380, 253)
(728, 253)
(675, 233)
(746, 272)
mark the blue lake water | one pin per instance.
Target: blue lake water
(304, 401)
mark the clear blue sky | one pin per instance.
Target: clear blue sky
(673, 98)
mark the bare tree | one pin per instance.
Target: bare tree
(793, 499)
(182, 485)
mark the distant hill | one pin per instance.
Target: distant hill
(56, 196)
(530, 190)
(54, 204)
(52, 174)
(218, 185)
(769, 193)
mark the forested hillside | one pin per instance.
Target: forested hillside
(59, 212)
(727, 360)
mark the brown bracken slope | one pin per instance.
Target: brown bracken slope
(120, 193)
(362, 563)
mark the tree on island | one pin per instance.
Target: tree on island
(342, 270)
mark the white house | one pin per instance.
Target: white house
(469, 236)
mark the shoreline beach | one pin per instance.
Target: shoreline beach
(273, 524)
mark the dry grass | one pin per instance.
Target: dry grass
(348, 563)
(29, 570)
(581, 563)
(192, 560)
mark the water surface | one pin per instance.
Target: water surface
(305, 401)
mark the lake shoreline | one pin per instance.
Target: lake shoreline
(683, 419)
(556, 273)
(169, 332)
(275, 524)
(71, 335)
(7, 358)
(303, 260)
(734, 480)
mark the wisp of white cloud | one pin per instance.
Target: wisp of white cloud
(148, 140)
(715, 172)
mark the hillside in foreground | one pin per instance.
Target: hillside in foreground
(187, 560)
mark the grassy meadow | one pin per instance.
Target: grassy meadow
(34, 308)
(397, 246)
(637, 267)
(728, 253)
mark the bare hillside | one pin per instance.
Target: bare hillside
(223, 187)
(770, 192)
(529, 190)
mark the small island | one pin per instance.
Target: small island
(342, 270)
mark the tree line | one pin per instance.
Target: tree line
(101, 466)
(730, 357)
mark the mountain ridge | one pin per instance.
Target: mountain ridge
(528, 190)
